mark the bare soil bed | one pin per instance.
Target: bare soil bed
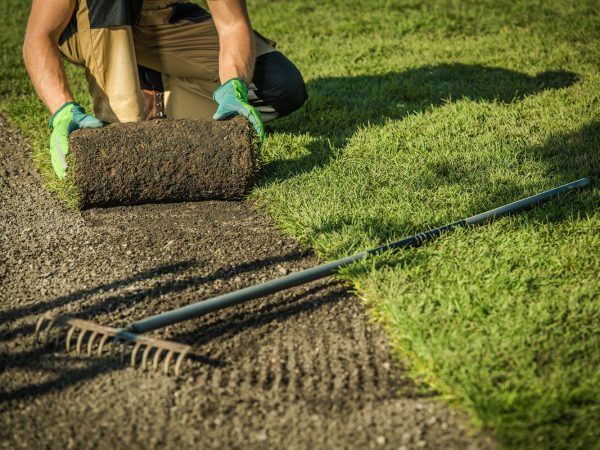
(301, 369)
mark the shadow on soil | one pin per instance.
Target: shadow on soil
(238, 321)
(72, 369)
(58, 302)
(225, 326)
(37, 360)
(338, 106)
(121, 300)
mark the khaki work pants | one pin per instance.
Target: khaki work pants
(186, 53)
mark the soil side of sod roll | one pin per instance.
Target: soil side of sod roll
(164, 161)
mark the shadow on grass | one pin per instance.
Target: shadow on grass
(572, 155)
(338, 106)
(567, 157)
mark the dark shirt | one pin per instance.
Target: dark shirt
(104, 14)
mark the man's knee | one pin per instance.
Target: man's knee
(279, 83)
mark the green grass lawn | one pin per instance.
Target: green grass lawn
(421, 113)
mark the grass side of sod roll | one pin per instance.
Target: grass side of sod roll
(421, 113)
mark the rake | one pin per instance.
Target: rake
(93, 338)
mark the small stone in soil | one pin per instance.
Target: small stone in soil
(260, 436)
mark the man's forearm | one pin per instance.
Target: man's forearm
(236, 55)
(236, 39)
(40, 50)
(46, 71)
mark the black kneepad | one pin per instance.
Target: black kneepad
(279, 83)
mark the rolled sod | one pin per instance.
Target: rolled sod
(164, 161)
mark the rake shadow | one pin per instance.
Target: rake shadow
(142, 295)
(226, 325)
(58, 302)
(180, 285)
(37, 360)
(34, 360)
(236, 321)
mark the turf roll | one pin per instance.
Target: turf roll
(164, 161)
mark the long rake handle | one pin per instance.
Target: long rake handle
(295, 279)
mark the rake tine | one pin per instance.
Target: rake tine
(156, 358)
(90, 345)
(47, 331)
(145, 357)
(179, 362)
(136, 347)
(168, 362)
(70, 333)
(38, 327)
(82, 335)
(101, 344)
(80, 341)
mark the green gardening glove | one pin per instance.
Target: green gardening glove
(232, 98)
(69, 117)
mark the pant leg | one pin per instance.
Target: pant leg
(108, 55)
(181, 42)
(278, 86)
(185, 52)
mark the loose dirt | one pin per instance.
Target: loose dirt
(301, 369)
(164, 161)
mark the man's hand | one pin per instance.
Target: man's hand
(232, 98)
(69, 117)
(236, 61)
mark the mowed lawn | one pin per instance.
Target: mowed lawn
(421, 113)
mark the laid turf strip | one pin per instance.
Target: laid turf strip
(164, 161)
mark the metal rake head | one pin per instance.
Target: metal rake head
(88, 337)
